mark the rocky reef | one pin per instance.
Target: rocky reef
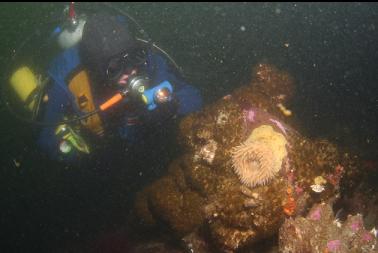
(246, 168)
(320, 231)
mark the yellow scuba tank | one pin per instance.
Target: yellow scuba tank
(29, 89)
(25, 84)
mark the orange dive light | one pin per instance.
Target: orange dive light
(112, 101)
(136, 87)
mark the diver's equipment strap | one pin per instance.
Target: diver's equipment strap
(81, 89)
(32, 97)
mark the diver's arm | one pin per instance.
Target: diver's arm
(187, 98)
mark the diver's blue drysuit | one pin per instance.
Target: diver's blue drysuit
(61, 102)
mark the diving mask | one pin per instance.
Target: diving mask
(125, 63)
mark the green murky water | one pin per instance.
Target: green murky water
(332, 54)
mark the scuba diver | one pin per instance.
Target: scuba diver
(108, 85)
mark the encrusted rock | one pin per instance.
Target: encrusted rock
(202, 190)
(320, 231)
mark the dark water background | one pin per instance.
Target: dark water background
(332, 54)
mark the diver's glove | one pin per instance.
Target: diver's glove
(160, 94)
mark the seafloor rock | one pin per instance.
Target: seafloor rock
(363, 199)
(154, 247)
(244, 169)
(321, 232)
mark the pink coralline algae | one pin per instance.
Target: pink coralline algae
(355, 226)
(333, 245)
(298, 189)
(291, 177)
(367, 237)
(322, 232)
(316, 214)
(279, 125)
(249, 115)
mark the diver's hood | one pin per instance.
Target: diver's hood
(104, 36)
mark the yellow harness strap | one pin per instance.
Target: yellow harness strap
(81, 89)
